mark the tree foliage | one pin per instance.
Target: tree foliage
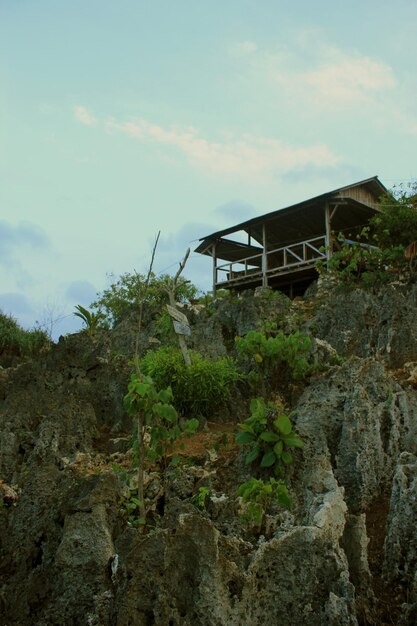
(122, 297)
(396, 225)
(393, 233)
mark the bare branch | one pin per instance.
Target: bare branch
(141, 301)
(181, 267)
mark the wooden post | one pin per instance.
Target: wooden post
(328, 230)
(181, 338)
(264, 258)
(213, 254)
(171, 295)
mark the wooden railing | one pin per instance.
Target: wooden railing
(273, 262)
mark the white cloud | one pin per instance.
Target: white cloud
(241, 156)
(349, 80)
(335, 79)
(84, 116)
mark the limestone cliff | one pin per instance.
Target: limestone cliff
(346, 553)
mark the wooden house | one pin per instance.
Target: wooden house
(280, 249)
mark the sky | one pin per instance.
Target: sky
(119, 119)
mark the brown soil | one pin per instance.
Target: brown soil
(219, 437)
(215, 436)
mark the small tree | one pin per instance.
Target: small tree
(151, 408)
(397, 223)
(156, 414)
(124, 295)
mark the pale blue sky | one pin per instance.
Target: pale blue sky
(119, 119)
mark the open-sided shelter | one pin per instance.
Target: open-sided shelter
(281, 248)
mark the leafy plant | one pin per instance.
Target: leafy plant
(267, 349)
(130, 507)
(200, 498)
(156, 415)
(258, 495)
(92, 320)
(199, 389)
(161, 418)
(268, 436)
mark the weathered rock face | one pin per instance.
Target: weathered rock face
(366, 323)
(400, 564)
(68, 557)
(215, 328)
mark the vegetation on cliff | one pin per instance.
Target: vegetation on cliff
(290, 501)
(20, 343)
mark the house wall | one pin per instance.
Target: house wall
(361, 194)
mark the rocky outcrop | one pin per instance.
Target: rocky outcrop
(366, 322)
(345, 554)
(400, 563)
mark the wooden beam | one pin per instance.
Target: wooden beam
(333, 212)
(264, 257)
(328, 230)
(213, 254)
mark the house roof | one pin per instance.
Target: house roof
(300, 221)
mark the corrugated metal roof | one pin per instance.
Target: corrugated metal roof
(298, 221)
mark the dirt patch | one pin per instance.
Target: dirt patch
(217, 437)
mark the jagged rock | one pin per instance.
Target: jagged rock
(360, 418)
(68, 556)
(400, 547)
(362, 322)
(214, 330)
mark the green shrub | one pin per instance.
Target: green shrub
(258, 495)
(200, 389)
(391, 231)
(354, 263)
(268, 436)
(274, 356)
(15, 341)
(123, 296)
(397, 223)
